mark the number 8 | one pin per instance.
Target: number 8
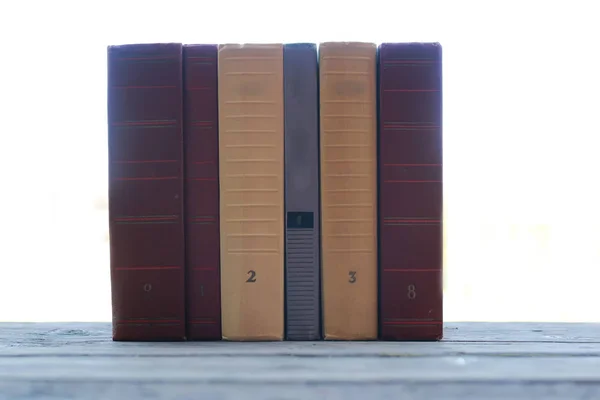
(412, 292)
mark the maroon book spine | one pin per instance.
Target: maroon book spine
(203, 295)
(410, 191)
(145, 191)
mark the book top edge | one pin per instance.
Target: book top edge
(348, 44)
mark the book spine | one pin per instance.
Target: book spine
(145, 191)
(302, 272)
(348, 190)
(410, 182)
(201, 138)
(251, 168)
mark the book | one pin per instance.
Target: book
(145, 191)
(201, 143)
(410, 185)
(251, 173)
(348, 156)
(302, 263)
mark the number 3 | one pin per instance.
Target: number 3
(352, 276)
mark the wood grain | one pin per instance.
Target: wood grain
(475, 360)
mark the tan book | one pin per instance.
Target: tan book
(348, 190)
(251, 191)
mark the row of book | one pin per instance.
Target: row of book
(275, 191)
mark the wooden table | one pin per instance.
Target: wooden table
(475, 361)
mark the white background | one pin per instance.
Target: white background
(521, 111)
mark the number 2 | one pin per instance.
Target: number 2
(252, 277)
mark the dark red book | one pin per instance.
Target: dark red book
(145, 192)
(203, 298)
(410, 191)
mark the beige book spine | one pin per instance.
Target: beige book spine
(251, 191)
(348, 143)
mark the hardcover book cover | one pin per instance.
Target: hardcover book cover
(201, 138)
(302, 269)
(145, 191)
(348, 155)
(410, 185)
(251, 169)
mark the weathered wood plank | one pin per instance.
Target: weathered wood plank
(309, 349)
(66, 334)
(192, 391)
(299, 370)
(523, 332)
(476, 360)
